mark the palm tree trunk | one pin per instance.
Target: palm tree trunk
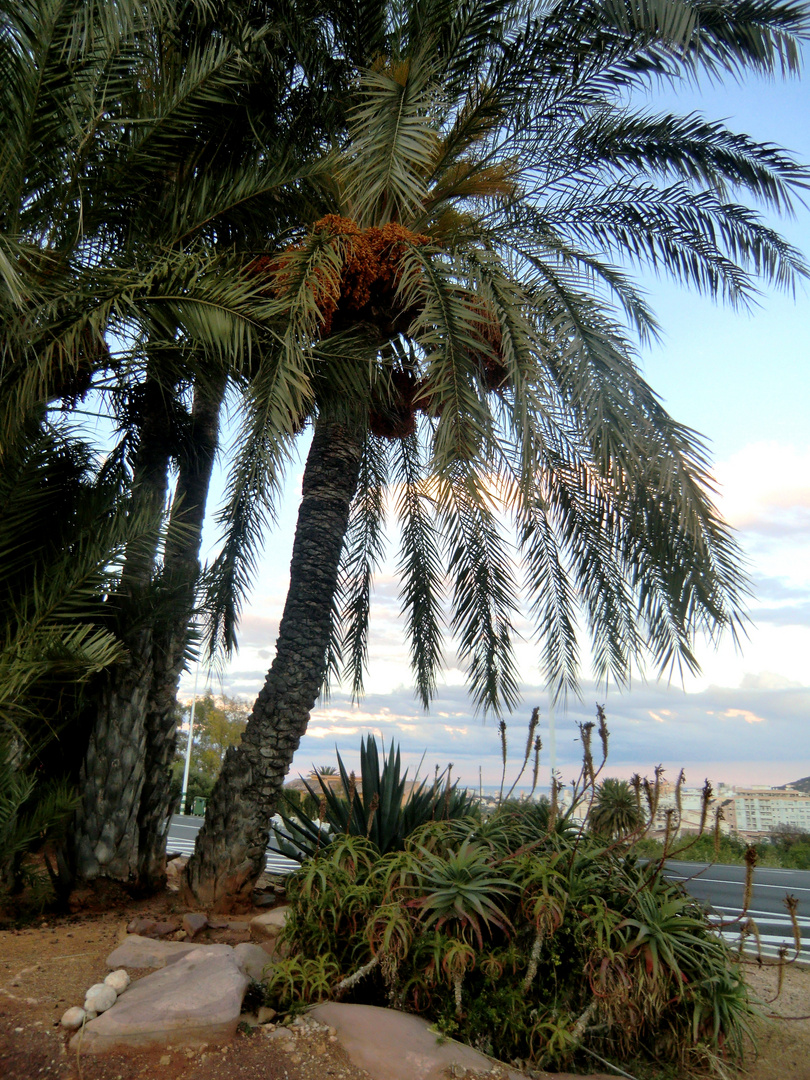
(105, 837)
(181, 570)
(230, 851)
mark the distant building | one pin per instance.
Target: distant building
(756, 811)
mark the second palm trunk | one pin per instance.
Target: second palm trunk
(230, 851)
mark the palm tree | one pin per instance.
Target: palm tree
(615, 810)
(446, 326)
(137, 155)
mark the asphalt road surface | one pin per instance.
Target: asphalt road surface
(719, 887)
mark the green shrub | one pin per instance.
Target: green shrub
(535, 945)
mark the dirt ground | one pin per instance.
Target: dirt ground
(46, 968)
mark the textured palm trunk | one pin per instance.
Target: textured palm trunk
(105, 837)
(230, 851)
(181, 570)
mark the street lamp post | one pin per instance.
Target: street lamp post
(188, 744)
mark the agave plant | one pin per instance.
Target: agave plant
(378, 807)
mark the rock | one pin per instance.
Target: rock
(142, 926)
(194, 922)
(265, 1014)
(163, 929)
(369, 1035)
(264, 899)
(174, 872)
(196, 999)
(73, 1018)
(99, 998)
(143, 952)
(269, 924)
(119, 980)
(252, 959)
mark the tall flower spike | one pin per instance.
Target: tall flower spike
(538, 745)
(705, 800)
(604, 734)
(586, 731)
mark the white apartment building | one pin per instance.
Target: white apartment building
(758, 811)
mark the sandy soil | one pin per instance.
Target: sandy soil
(46, 968)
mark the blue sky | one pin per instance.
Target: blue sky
(743, 380)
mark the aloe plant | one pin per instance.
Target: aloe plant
(375, 807)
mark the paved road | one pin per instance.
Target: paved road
(721, 887)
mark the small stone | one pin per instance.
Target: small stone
(73, 1018)
(180, 935)
(266, 1014)
(166, 1059)
(295, 1059)
(119, 980)
(281, 1035)
(99, 998)
(194, 922)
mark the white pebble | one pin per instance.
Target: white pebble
(119, 980)
(74, 1018)
(99, 998)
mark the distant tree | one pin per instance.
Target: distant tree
(326, 770)
(218, 724)
(615, 811)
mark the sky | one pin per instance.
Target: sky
(743, 381)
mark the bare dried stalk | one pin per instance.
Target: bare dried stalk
(502, 732)
(458, 979)
(534, 720)
(669, 815)
(352, 796)
(534, 960)
(353, 980)
(792, 905)
(718, 817)
(750, 864)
